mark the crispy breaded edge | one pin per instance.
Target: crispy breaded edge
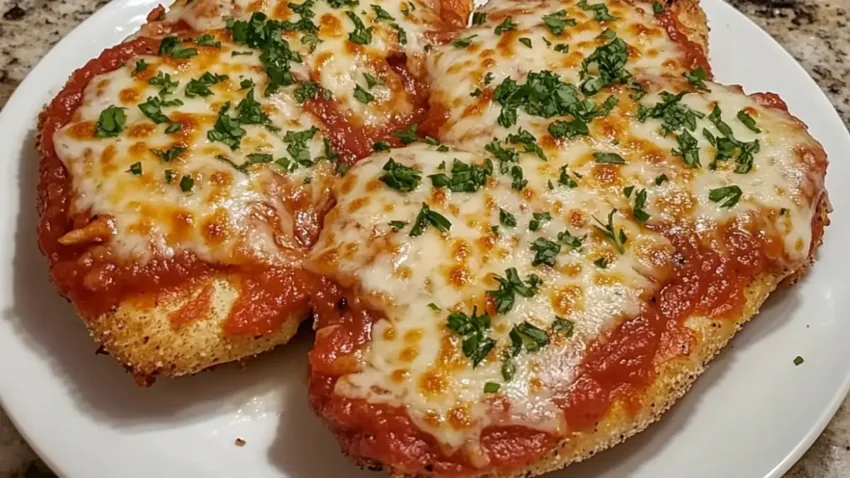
(693, 19)
(148, 344)
(673, 379)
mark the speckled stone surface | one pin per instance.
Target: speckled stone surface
(816, 32)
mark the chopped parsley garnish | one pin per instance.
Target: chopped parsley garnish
(297, 145)
(476, 344)
(510, 286)
(688, 149)
(463, 42)
(407, 136)
(152, 108)
(640, 203)
(379, 146)
(381, 14)
(169, 176)
(164, 80)
(361, 35)
(465, 177)
(538, 220)
(564, 179)
(627, 191)
(545, 252)
(609, 158)
(657, 8)
(173, 47)
(475, 93)
(728, 147)
(526, 42)
(428, 217)
(250, 111)
(433, 306)
(135, 169)
(478, 18)
(402, 35)
(110, 122)
(208, 39)
(173, 128)
(266, 35)
(398, 225)
(545, 95)
(187, 183)
(372, 81)
(798, 360)
(201, 86)
(362, 95)
(528, 141)
(562, 48)
(488, 78)
(169, 154)
(506, 157)
(307, 90)
(563, 327)
(343, 3)
(696, 77)
(569, 240)
(530, 336)
(226, 130)
(506, 219)
(674, 115)
(610, 60)
(247, 84)
(601, 263)
(725, 197)
(609, 232)
(558, 21)
(491, 387)
(600, 11)
(311, 40)
(748, 121)
(518, 182)
(506, 26)
(508, 369)
(141, 66)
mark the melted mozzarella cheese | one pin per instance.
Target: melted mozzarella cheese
(336, 63)
(492, 57)
(416, 362)
(229, 214)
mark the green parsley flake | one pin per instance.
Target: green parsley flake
(478, 18)
(465, 177)
(506, 26)
(600, 11)
(526, 42)
(398, 225)
(507, 219)
(201, 86)
(428, 217)
(563, 327)
(725, 197)
(208, 39)
(135, 169)
(798, 360)
(110, 122)
(361, 35)
(545, 252)
(538, 220)
(169, 154)
(173, 47)
(381, 14)
(362, 95)
(558, 21)
(528, 336)
(510, 286)
(616, 238)
(379, 146)
(491, 387)
(696, 77)
(463, 42)
(473, 330)
(407, 136)
(748, 121)
(187, 183)
(609, 158)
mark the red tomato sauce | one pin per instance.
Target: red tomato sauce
(353, 140)
(708, 279)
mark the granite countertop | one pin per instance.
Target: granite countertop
(816, 32)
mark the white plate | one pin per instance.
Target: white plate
(752, 414)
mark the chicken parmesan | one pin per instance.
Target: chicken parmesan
(508, 311)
